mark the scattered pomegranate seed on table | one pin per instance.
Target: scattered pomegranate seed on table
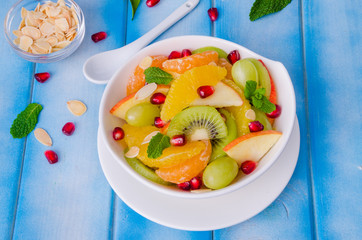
(213, 14)
(99, 36)
(42, 77)
(195, 183)
(256, 126)
(174, 55)
(178, 140)
(51, 156)
(68, 128)
(151, 3)
(234, 56)
(118, 133)
(276, 113)
(205, 91)
(159, 123)
(186, 52)
(248, 167)
(158, 98)
(184, 186)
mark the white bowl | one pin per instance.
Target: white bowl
(116, 90)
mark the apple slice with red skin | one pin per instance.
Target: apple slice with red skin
(223, 96)
(252, 146)
(121, 108)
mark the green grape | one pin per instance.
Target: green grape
(220, 173)
(142, 114)
(263, 76)
(242, 71)
(145, 171)
(262, 118)
(222, 53)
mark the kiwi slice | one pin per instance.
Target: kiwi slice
(219, 144)
(145, 171)
(198, 123)
(222, 53)
(262, 118)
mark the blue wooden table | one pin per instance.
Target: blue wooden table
(319, 42)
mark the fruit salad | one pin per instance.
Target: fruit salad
(197, 119)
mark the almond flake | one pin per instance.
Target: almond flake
(201, 190)
(62, 23)
(24, 12)
(145, 63)
(250, 114)
(62, 44)
(37, 9)
(32, 32)
(212, 64)
(132, 152)
(16, 41)
(149, 136)
(25, 43)
(44, 46)
(52, 11)
(47, 28)
(146, 91)
(43, 137)
(17, 33)
(76, 107)
(37, 50)
(52, 40)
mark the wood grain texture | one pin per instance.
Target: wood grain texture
(277, 37)
(333, 50)
(70, 199)
(127, 223)
(15, 92)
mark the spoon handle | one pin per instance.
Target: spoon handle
(175, 16)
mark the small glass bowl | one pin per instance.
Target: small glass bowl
(12, 22)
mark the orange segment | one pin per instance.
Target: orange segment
(181, 65)
(187, 169)
(171, 156)
(137, 80)
(134, 136)
(183, 90)
(224, 63)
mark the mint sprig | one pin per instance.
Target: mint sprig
(261, 8)
(25, 121)
(157, 75)
(257, 97)
(134, 4)
(157, 144)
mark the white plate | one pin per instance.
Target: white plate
(207, 213)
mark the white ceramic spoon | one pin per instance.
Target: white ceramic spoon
(100, 68)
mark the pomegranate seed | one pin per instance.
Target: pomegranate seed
(42, 77)
(99, 36)
(195, 183)
(118, 133)
(51, 156)
(213, 14)
(205, 91)
(234, 56)
(256, 126)
(174, 55)
(151, 3)
(159, 123)
(276, 113)
(186, 52)
(184, 186)
(248, 167)
(178, 140)
(68, 128)
(158, 98)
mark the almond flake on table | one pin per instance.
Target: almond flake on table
(43, 137)
(76, 107)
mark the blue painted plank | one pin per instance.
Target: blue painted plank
(70, 199)
(333, 49)
(277, 37)
(16, 80)
(129, 224)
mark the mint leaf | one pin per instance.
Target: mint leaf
(261, 8)
(249, 89)
(157, 144)
(25, 121)
(157, 75)
(260, 91)
(258, 103)
(134, 4)
(262, 103)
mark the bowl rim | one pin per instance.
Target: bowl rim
(214, 193)
(50, 56)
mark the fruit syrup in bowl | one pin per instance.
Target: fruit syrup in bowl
(116, 90)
